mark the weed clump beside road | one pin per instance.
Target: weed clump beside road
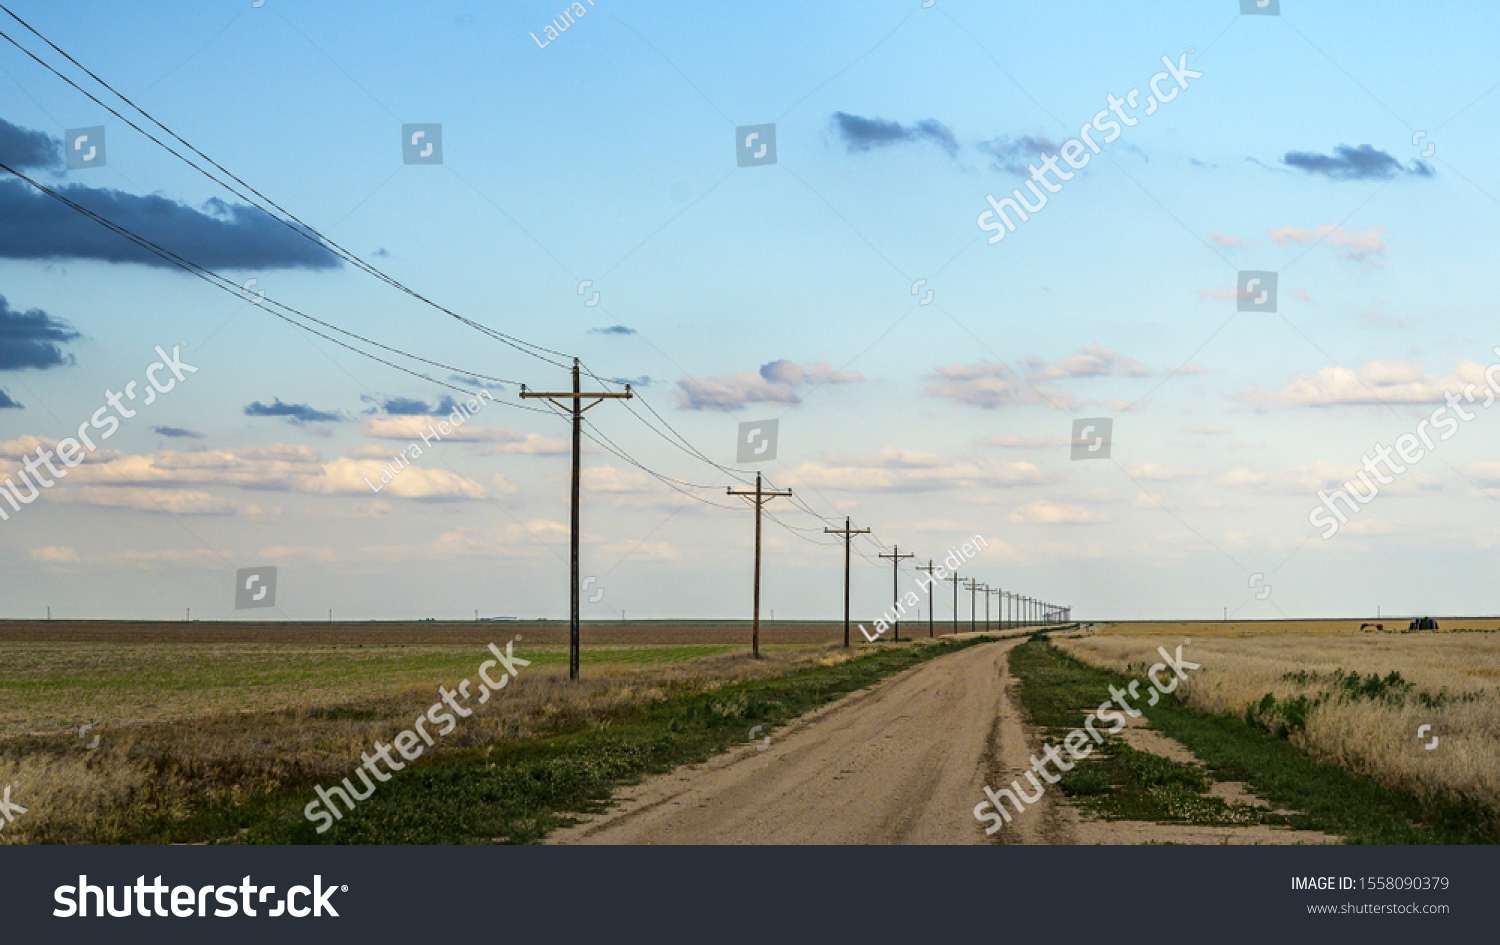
(1057, 690)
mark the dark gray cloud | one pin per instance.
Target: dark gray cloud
(1011, 155)
(296, 413)
(24, 148)
(641, 381)
(863, 134)
(7, 404)
(406, 407)
(179, 432)
(612, 330)
(32, 339)
(220, 236)
(410, 406)
(1361, 163)
(469, 381)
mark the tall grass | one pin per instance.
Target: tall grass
(1355, 702)
(147, 768)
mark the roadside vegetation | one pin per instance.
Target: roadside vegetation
(1121, 782)
(541, 752)
(1417, 713)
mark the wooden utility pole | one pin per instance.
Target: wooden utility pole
(848, 533)
(956, 578)
(760, 497)
(985, 590)
(896, 558)
(973, 588)
(997, 592)
(931, 579)
(575, 408)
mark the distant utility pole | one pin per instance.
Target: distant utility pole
(997, 592)
(896, 558)
(956, 578)
(849, 532)
(985, 589)
(931, 579)
(575, 408)
(973, 588)
(760, 497)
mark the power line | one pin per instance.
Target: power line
(239, 292)
(301, 228)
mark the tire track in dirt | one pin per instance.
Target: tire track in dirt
(902, 762)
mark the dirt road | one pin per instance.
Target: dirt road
(903, 762)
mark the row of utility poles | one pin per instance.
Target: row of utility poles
(1021, 611)
(1014, 610)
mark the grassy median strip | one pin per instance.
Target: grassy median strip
(519, 791)
(1058, 690)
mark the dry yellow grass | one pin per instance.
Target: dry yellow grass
(177, 737)
(1454, 687)
(1257, 628)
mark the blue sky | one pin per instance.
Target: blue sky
(608, 156)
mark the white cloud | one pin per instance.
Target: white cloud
(55, 554)
(512, 541)
(284, 467)
(1355, 245)
(1156, 472)
(1375, 382)
(1097, 361)
(362, 477)
(172, 501)
(1042, 512)
(897, 470)
(1014, 441)
(990, 385)
(778, 382)
(498, 439)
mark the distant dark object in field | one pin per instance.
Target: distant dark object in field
(1377, 626)
(1423, 623)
